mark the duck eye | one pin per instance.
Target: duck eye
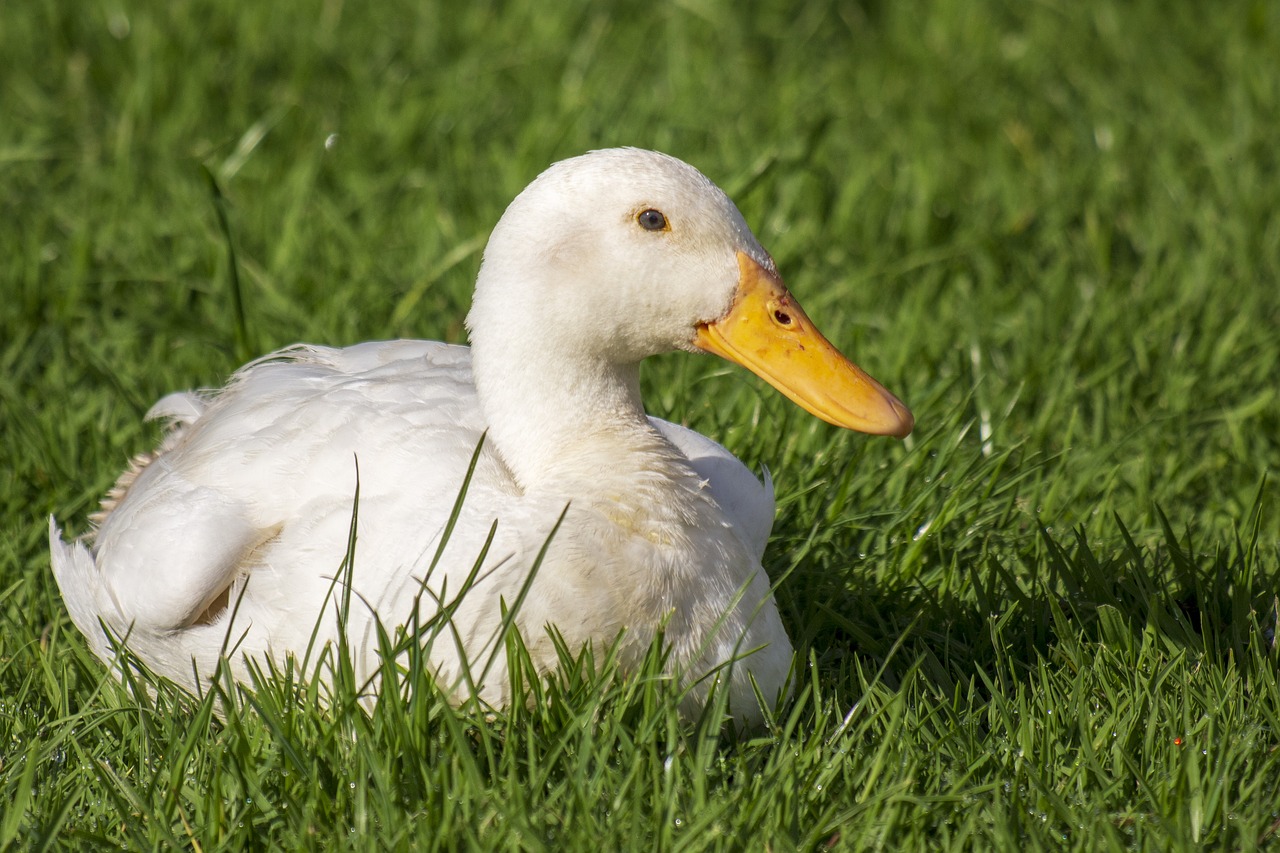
(652, 220)
(783, 318)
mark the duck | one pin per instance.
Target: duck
(341, 494)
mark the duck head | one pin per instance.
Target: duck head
(621, 254)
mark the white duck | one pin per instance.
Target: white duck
(228, 538)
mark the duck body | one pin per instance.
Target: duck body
(258, 490)
(235, 538)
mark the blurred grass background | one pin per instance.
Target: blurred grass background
(1047, 619)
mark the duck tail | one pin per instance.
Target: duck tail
(82, 588)
(181, 408)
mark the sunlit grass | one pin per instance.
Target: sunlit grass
(1047, 620)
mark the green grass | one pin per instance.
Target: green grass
(1045, 621)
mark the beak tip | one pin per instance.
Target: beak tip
(906, 421)
(891, 418)
(901, 422)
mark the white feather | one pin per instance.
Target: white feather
(248, 505)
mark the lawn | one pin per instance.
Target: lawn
(1047, 620)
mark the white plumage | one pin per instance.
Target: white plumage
(246, 508)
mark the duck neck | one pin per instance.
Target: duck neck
(562, 423)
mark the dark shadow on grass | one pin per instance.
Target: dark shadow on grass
(1218, 607)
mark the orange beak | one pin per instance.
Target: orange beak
(767, 332)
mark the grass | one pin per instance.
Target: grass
(1046, 621)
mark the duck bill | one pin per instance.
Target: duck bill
(767, 332)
